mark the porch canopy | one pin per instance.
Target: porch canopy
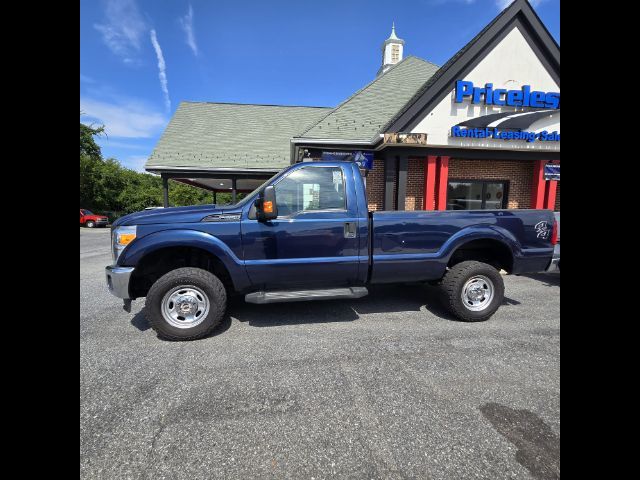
(228, 147)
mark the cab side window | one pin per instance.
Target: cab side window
(311, 188)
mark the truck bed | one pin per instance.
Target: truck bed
(419, 244)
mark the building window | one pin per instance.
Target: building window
(395, 53)
(477, 194)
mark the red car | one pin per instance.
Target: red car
(89, 220)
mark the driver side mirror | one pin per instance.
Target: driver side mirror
(266, 207)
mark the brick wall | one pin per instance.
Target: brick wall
(375, 186)
(415, 184)
(519, 173)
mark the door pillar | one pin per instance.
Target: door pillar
(390, 169)
(402, 182)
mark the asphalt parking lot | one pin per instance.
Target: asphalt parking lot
(387, 386)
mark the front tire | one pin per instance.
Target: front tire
(472, 291)
(186, 304)
(90, 224)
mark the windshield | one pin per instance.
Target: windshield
(87, 212)
(243, 202)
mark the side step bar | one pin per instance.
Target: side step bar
(300, 295)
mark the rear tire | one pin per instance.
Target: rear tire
(472, 291)
(89, 224)
(186, 304)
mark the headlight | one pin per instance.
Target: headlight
(121, 237)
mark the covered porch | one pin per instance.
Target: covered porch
(216, 181)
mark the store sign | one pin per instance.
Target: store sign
(498, 134)
(523, 97)
(363, 159)
(552, 171)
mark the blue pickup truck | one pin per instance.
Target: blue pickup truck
(307, 234)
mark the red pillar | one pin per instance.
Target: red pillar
(443, 181)
(550, 195)
(537, 194)
(429, 182)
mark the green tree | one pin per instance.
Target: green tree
(89, 167)
(108, 187)
(88, 145)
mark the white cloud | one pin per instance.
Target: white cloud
(135, 162)
(128, 145)
(502, 4)
(125, 118)
(162, 70)
(187, 25)
(86, 79)
(123, 29)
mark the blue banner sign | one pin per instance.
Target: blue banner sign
(363, 159)
(552, 171)
(523, 97)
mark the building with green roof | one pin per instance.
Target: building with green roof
(479, 131)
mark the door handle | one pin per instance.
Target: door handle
(350, 230)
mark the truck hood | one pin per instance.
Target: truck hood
(191, 214)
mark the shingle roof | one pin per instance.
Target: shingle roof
(231, 135)
(362, 116)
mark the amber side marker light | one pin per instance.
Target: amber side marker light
(126, 238)
(268, 207)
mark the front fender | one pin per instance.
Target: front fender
(138, 249)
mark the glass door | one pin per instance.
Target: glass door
(493, 195)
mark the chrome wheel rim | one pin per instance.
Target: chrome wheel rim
(185, 306)
(477, 293)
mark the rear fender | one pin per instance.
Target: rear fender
(482, 232)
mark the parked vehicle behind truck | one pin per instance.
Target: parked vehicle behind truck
(90, 220)
(307, 234)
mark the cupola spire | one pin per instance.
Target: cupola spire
(392, 50)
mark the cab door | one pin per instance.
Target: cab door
(314, 240)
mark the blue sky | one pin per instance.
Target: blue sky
(140, 58)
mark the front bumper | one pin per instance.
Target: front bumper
(118, 280)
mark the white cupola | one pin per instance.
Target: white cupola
(391, 50)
